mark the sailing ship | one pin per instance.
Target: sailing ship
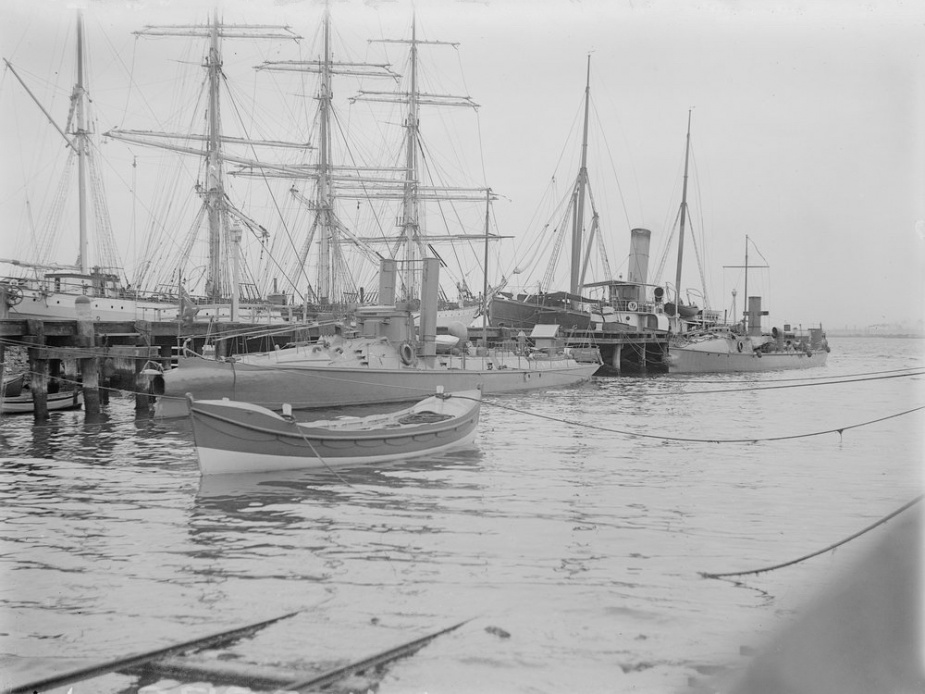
(391, 355)
(700, 342)
(43, 289)
(374, 186)
(617, 304)
(40, 288)
(226, 289)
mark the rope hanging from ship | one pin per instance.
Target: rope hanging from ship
(730, 574)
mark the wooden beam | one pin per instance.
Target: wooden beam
(127, 662)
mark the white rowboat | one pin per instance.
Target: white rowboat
(240, 437)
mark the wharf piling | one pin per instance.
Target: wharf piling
(624, 351)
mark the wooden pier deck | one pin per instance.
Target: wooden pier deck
(103, 355)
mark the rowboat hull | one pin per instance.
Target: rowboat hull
(235, 437)
(22, 404)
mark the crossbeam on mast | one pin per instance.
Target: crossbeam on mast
(225, 139)
(319, 67)
(420, 99)
(225, 31)
(128, 136)
(436, 239)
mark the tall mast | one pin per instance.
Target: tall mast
(215, 193)
(325, 200)
(687, 151)
(82, 145)
(409, 216)
(746, 282)
(485, 269)
(412, 192)
(220, 240)
(578, 218)
(325, 172)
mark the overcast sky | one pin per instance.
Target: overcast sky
(806, 129)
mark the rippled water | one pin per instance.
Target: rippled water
(581, 543)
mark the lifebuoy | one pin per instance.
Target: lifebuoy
(740, 345)
(632, 306)
(406, 352)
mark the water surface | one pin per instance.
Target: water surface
(572, 537)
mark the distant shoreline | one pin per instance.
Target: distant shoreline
(836, 333)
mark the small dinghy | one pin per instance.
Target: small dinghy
(23, 403)
(240, 437)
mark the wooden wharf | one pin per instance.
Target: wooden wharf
(624, 351)
(103, 355)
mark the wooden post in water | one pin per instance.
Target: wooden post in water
(2, 367)
(142, 382)
(616, 358)
(38, 367)
(89, 365)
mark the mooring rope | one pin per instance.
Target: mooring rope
(849, 379)
(883, 520)
(754, 439)
(623, 432)
(690, 380)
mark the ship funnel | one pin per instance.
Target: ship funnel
(638, 271)
(754, 315)
(430, 289)
(388, 270)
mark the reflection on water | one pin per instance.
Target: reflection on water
(584, 545)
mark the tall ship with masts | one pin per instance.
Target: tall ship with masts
(217, 283)
(596, 299)
(172, 283)
(392, 351)
(39, 285)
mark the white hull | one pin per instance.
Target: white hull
(221, 462)
(723, 355)
(238, 437)
(41, 305)
(360, 374)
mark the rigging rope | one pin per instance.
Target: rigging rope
(883, 520)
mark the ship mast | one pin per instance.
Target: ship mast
(326, 222)
(412, 243)
(222, 239)
(215, 192)
(687, 150)
(411, 230)
(579, 207)
(82, 145)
